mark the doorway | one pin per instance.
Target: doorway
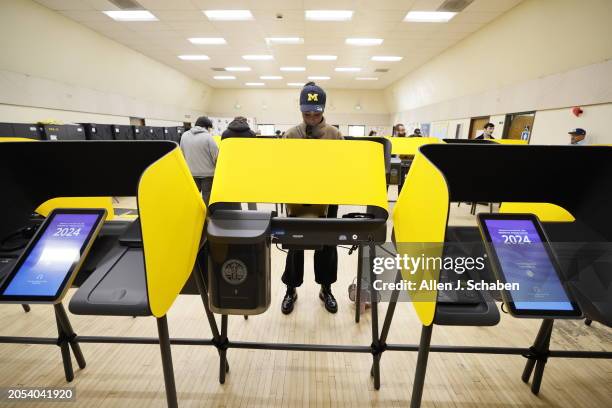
(477, 126)
(519, 125)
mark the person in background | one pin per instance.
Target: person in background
(400, 130)
(278, 133)
(312, 106)
(416, 133)
(577, 137)
(372, 133)
(488, 132)
(201, 151)
(239, 127)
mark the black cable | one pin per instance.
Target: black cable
(281, 249)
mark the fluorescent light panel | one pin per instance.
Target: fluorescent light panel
(328, 15)
(318, 78)
(366, 79)
(254, 84)
(258, 57)
(207, 40)
(194, 57)
(348, 69)
(386, 58)
(322, 57)
(295, 83)
(271, 77)
(237, 69)
(429, 16)
(131, 15)
(284, 40)
(364, 41)
(293, 69)
(224, 77)
(228, 15)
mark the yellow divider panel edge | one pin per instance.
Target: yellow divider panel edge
(545, 211)
(419, 218)
(172, 216)
(78, 202)
(510, 141)
(300, 171)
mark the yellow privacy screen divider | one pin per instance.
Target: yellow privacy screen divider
(16, 139)
(78, 202)
(300, 171)
(410, 145)
(419, 218)
(217, 139)
(510, 141)
(546, 212)
(172, 217)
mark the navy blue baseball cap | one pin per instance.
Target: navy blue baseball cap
(312, 98)
(577, 131)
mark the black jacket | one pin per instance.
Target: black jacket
(237, 128)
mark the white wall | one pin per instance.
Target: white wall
(551, 126)
(281, 107)
(49, 61)
(26, 114)
(542, 54)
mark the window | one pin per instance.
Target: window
(356, 130)
(266, 130)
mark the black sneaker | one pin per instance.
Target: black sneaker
(328, 299)
(289, 300)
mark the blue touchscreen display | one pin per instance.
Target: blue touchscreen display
(53, 256)
(524, 260)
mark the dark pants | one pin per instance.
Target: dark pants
(205, 186)
(325, 262)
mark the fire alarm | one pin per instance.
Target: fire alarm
(577, 111)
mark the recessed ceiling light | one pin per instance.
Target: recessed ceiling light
(388, 58)
(364, 41)
(429, 16)
(293, 69)
(318, 78)
(272, 77)
(194, 57)
(207, 40)
(254, 84)
(295, 83)
(237, 69)
(224, 77)
(366, 79)
(322, 57)
(260, 57)
(284, 40)
(228, 15)
(328, 15)
(348, 69)
(131, 15)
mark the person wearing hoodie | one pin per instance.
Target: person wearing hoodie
(239, 127)
(312, 105)
(201, 151)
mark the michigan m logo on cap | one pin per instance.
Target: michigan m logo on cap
(313, 97)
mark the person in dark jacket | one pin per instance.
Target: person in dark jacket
(239, 127)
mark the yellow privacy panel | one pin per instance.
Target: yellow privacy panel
(300, 171)
(172, 217)
(510, 141)
(78, 202)
(217, 139)
(16, 139)
(545, 211)
(419, 220)
(410, 145)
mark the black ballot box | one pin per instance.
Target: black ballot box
(238, 260)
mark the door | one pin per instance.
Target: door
(519, 125)
(477, 126)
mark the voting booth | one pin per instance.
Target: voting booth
(574, 210)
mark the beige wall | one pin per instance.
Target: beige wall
(542, 54)
(281, 106)
(49, 61)
(551, 126)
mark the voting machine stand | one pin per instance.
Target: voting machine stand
(348, 172)
(132, 280)
(543, 174)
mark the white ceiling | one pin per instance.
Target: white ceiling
(179, 20)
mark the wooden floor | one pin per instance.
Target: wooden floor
(131, 375)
